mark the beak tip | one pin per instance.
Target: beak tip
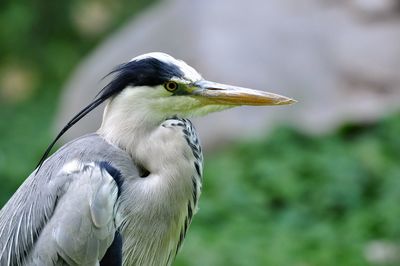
(286, 101)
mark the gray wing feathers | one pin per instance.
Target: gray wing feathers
(82, 226)
(21, 221)
(103, 197)
(79, 199)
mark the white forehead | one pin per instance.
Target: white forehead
(189, 72)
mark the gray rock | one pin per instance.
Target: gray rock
(339, 59)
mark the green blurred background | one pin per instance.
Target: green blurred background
(288, 198)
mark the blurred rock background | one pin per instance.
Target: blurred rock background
(316, 183)
(340, 59)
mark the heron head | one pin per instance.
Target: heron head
(168, 86)
(156, 86)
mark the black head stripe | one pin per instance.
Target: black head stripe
(146, 72)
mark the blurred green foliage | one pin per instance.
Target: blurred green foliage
(293, 199)
(40, 44)
(287, 199)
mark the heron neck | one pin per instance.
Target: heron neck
(126, 126)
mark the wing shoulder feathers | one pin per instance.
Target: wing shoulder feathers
(69, 198)
(82, 227)
(25, 215)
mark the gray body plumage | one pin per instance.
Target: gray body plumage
(40, 225)
(127, 193)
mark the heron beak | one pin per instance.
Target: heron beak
(217, 93)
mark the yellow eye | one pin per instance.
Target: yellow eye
(171, 85)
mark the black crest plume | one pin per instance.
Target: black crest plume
(146, 72)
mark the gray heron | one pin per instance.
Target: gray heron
(127, 193)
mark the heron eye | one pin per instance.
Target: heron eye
(171, 86)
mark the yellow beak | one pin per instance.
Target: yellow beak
(217, 93)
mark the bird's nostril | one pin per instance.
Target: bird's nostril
(214, 89)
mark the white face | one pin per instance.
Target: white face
(159, 100)
(159, 103)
